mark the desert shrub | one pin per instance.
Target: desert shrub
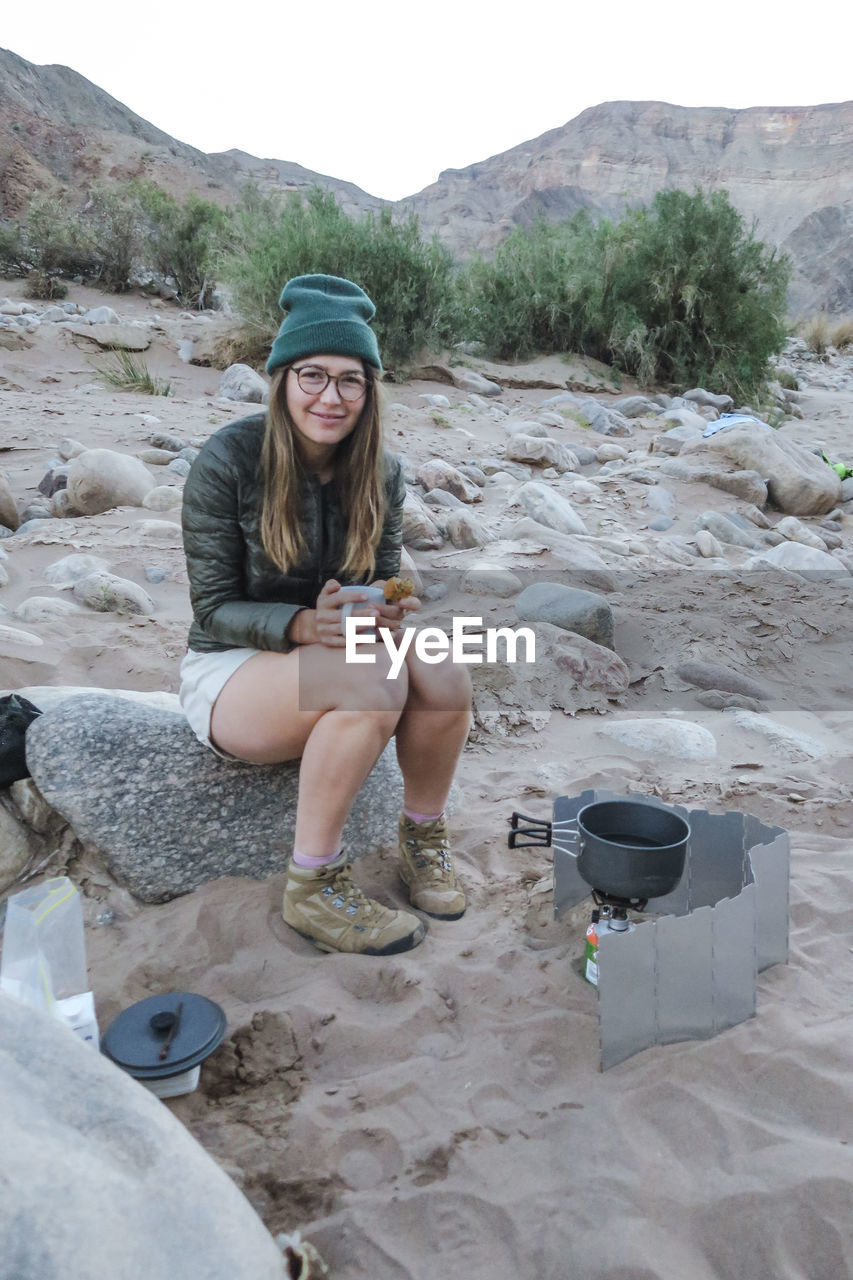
(679, 292)
(128, 371)
(815, 334)
(114, 221)
(182, 241)
(44, 288)
(842, 335)
(14, 259)
(409, 279)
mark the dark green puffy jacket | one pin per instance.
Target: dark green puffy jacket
(239, 597)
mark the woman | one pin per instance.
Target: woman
(280, 511)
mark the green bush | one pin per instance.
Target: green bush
(182, 241)
(114, 220)
(679, 292)
(57, 241)
(14, 259)
(410, 280)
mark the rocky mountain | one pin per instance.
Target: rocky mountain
(60, 131)
(789, 168)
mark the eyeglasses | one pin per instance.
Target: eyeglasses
(313, 380)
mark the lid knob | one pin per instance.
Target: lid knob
(163, 1021)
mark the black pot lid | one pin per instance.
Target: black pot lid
(164, 1035)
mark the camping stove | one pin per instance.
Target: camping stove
(717, 888)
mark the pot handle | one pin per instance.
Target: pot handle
(538, 832)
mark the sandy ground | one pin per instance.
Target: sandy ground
(442, 1113)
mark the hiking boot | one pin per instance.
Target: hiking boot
(426, 868)
(324, 906)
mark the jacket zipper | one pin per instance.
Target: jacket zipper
(322, 556)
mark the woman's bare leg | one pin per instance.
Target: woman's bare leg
(432, 731)
(311, 704)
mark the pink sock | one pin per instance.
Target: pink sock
(422, 817)
(305, 859)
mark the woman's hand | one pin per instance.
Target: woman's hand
(327, 614)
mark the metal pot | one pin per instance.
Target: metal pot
(624, 849)
(631, 850)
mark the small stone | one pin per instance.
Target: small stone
(163, 498)
(153, 573)
(107, 593)
(240, 382)
(73, 567)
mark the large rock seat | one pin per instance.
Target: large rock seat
(165, 812)
(100, 1180)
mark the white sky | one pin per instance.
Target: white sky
(388, 94)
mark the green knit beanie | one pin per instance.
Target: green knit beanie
(325, 315)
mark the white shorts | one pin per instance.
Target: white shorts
(203, 677)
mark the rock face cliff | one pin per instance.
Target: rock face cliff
(60, 131)
(790, 168)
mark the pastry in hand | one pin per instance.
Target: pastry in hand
(397, 589)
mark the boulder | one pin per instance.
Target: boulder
(579, 555)
(795, 531)
(521, 426)
(582, 612)
(101, 479)
(683, 739)
(686, 420)
(636, 407)
(709, 547)
(111, 334)
(420, 530)
(69, 448)
(106, 593)
(163, 498)
(725, 530)
(486, 578)
(605, 421)
(549, 508)
(469, 380)
(796, 558)
(570, 674)
(673, 441)
(438, 474)
(541, 452)
(798, 481)
(240, 382)
(792, 744)
(166, 813)
(8, 507)
(101, 315)
(713, 675)
(101, 1181)
(45, 609)
(699, 395)
(73, 567)
(465, 531)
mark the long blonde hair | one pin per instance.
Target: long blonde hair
(359, 474)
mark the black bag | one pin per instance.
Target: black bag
(16, 714)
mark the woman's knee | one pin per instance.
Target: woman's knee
(445, 685)
(377, 686)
